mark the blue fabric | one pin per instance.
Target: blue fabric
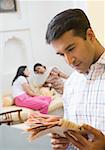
(70, 147)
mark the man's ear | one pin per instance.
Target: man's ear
(90, 34)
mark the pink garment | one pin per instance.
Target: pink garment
(40, 103)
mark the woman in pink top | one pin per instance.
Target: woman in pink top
(24, 96)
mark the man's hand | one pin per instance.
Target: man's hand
(58, 142)
(83, 143)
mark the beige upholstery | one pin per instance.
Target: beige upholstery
(8, 105)
(24, 113)
(56, 104)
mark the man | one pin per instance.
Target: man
(51, 77)
(72, 37)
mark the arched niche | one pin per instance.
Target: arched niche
(14, 55)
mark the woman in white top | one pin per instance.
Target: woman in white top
(24, 96)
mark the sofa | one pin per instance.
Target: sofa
(55, 108)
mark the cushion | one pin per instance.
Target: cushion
(7, 101)
(56, 103)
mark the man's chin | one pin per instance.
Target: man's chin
(82, 71)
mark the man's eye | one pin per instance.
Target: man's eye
(70, 49)
(60, 54)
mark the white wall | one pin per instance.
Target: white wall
(96, 11)
(15, 46)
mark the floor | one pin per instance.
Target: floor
(14, 139)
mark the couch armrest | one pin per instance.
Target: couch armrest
(7, 116)
(8, 121)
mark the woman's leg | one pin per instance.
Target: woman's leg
(35, 103)
(47, 99)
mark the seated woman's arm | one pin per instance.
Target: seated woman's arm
(28, 89)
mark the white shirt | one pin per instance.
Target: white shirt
(84, 96)
(37, 80)
(17, 86)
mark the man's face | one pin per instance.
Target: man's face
(78, 53)
(40, 69)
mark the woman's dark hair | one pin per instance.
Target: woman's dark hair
(20, 72)
(71, 19)
(38, 65)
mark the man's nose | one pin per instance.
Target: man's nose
(69, 59)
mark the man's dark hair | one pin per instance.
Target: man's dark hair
(71, 19)
(38, 65)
